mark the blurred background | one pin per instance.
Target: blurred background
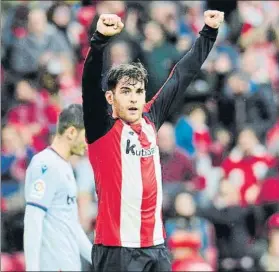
(219, 151)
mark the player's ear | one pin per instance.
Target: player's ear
(109, 97)
(71, 133)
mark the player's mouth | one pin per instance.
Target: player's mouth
(133, 110)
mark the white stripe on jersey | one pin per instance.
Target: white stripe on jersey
(131, 192)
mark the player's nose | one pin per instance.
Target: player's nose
(133, 98)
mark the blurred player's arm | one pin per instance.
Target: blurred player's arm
(40, 187)
(94, 101)
(85, 246)
(165, 102)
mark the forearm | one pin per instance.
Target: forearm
(33, 226)
(188, 67)
(94, 102)
(85, 246)
(165, 102)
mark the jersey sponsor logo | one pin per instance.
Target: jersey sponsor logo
(38, 189)
(71, 200)
(131, 149)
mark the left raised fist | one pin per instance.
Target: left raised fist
(213, 18)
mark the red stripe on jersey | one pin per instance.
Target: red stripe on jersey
(109, 182)
(149, 194)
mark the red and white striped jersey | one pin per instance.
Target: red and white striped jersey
(125, 158)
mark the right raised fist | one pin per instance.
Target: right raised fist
(109, 24)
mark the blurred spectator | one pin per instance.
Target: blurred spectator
(42, 43)
(242, 107)
(36, 114)
(185, 253)
(60, 16)
(247, 164)
(270, 260)
(119, 53)
(229, 220)
(166, 15)
(15, 155)
(219, 150)
(68, 84)
(187, 221)
(160, 56)
(191, 131)
(177, 166)
(272, 140)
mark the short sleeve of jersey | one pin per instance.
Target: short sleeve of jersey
(40, 185)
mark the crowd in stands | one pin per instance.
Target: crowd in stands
(219, 151)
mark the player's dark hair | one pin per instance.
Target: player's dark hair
(135, 72)
(70, 116)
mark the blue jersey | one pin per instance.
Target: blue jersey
(50, 185)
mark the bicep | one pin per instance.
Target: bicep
(95, 108)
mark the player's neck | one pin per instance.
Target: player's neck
(61, 148)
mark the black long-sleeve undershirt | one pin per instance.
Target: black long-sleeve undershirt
(98, 121)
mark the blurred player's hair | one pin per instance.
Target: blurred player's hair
(135, 72)
(70, 116)
(189, 108)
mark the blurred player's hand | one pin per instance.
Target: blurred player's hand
(109, 24)
(213, 18)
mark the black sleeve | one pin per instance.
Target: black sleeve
(223, 216)
(96, 117)
(166, 100)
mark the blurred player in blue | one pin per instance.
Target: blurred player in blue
(53, 236)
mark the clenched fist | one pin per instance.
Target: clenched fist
(213, 18)
(109, 24)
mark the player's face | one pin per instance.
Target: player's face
(128, 100)
(79, 145)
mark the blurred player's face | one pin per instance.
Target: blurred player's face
(24, 92)
(198, 117)
(247, 141)
(127, 100)
(166, 138)
(274, 242)
(78, 146)
(37, 21)
(185, 205)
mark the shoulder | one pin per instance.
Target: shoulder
(44, 161)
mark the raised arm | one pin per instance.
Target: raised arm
(94, 103)
(168, 97)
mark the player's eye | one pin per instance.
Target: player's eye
(140, 91)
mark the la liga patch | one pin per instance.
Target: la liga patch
(38, 189)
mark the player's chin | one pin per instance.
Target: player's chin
(80, 152)
(132, 119)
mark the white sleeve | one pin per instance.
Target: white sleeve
(32, 238)
(85, 246)
(41, 185)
